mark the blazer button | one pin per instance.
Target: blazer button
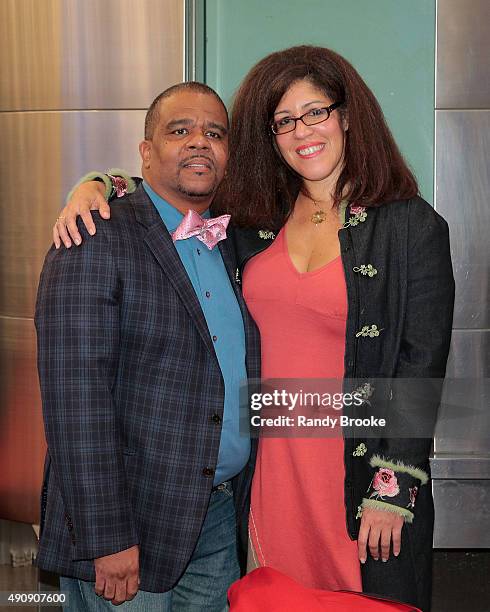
(216, 419)
(208, 472)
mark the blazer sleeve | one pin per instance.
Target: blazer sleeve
(400, 467)
(77, 321)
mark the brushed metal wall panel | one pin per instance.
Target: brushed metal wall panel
(89, 54)
(454, 466)
(469, 355)
(463, 427)
(462, 197)
(461, 509)
(43, 155)
(463, 49)
(22, 444)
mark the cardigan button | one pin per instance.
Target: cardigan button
(208, 472)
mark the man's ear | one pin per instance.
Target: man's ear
(145, 152)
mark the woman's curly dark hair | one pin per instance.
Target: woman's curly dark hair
(259, 189)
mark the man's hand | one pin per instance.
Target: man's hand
(378, 529)
(87, 196)
(117, 575)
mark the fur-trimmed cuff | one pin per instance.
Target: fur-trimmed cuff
(394, 486)
(379, 505)
(91, 176)
(399, 466)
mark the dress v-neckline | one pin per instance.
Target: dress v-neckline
(293, 266)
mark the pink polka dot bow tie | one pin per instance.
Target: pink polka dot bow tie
(209, 231)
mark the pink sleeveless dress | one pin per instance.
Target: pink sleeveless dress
(297, 517)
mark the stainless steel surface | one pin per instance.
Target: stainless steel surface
(22, 443)
(88, 54)
(462, 197)
(461, 465)
(18, 543)
(195, 40)
(76, 77)
(464, 418)
(463, 49)
(469, 356)
(450, 466)
(462, 515)
(44, 154)
(190, 37)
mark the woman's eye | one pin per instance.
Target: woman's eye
(285, 121)
(318, 112)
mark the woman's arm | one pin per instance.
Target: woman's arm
(91, 192)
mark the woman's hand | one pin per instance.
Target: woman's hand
(87, 196)
(379, 528)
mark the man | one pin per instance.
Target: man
(142, 344)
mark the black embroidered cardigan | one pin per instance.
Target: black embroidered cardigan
(400, 291)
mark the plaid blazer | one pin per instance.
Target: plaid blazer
(130, 383)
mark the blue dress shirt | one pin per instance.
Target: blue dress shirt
(211, 283)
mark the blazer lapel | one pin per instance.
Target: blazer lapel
(229, 259)
(161, 245)
(252, 339)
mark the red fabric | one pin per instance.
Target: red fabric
(267, 590)
(297, 521)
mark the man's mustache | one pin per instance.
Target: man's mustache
(201, 157)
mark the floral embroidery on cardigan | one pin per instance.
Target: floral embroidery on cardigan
(359, 216)
(266, 235)
(385, 484)
(360, 451)
(364, 391)
(366, 270)
(372, 331)
(119, 185)
(412, 492)
(392, 487)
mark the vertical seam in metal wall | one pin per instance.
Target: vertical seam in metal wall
(204, 48)
(195, 40)
(189, 50)
(434, 180)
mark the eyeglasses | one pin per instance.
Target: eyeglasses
(312, 117)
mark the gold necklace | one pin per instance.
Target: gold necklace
(319, 215)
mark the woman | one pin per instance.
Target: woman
(356, 284)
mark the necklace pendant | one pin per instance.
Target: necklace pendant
(318, 216)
